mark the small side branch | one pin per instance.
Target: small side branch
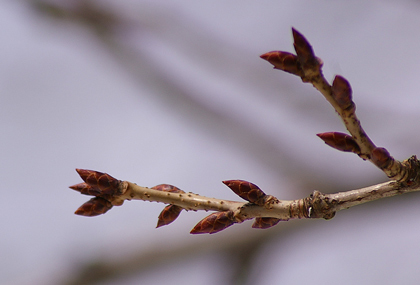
(309, 67)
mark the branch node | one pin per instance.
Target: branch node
(320, 206)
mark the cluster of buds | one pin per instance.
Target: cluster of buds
(304, 64)
(221, 220)
(307, 66)
(103, 186)
(110, 192)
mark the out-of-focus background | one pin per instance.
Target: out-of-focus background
(175, 92)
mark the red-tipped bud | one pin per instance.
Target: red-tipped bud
(265, 223)
(168, 215)
(167, 188)
(86, 189)
(94, 207)
(246, 190)
(341, 92)
(284, 61)
(340, 141)
(170, 212)
(381, 157)
(105, 183)
(304, 51)
(214, 223)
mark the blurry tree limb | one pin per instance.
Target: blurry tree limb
(229, 248)
(140, 65)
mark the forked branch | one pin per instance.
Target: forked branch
(267, 210)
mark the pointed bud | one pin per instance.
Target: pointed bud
(304, 51)
(167, 188)
(105, 183)
(168, 215)
(340, 141)
(86, 189)
(94, 207)
(214, 223)
(284, 61)
(342, 93)
(246, 190)
(265, 223)
(381, 157)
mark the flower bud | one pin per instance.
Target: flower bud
(94, 207)
(342, 93)
(265, 223)
(168, 215)
(214, 223)
(304, 51)
(381, 157)
(86, 189)
(284, 61)
(102, 181)
(167, 188)
(340, 141)
(246, 190)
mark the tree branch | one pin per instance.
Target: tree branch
(267, 210)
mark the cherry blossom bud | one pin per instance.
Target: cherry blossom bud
(246, 190)
(304, 51)
(94, 207)
(167, 188)
(86, 189)
(340, 141)
(168, 215)
(284, 61)
(265, 223)
(381, 157)
(214, 223)
(102, 181)
(342, 92)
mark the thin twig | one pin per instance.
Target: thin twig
(309, 67)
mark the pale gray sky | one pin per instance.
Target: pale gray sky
(183, 98)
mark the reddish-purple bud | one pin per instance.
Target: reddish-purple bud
(94, 207)
(167, 188)
(170, 212)
(284, 61)
(214, 223)
(340, 141)
(381, 157)
(107, 184)
(265, 223)
(86, 189)
(341, 92)
(168, 215)
(304, 51)
(246, 190)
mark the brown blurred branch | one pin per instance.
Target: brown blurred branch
(140, 65)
